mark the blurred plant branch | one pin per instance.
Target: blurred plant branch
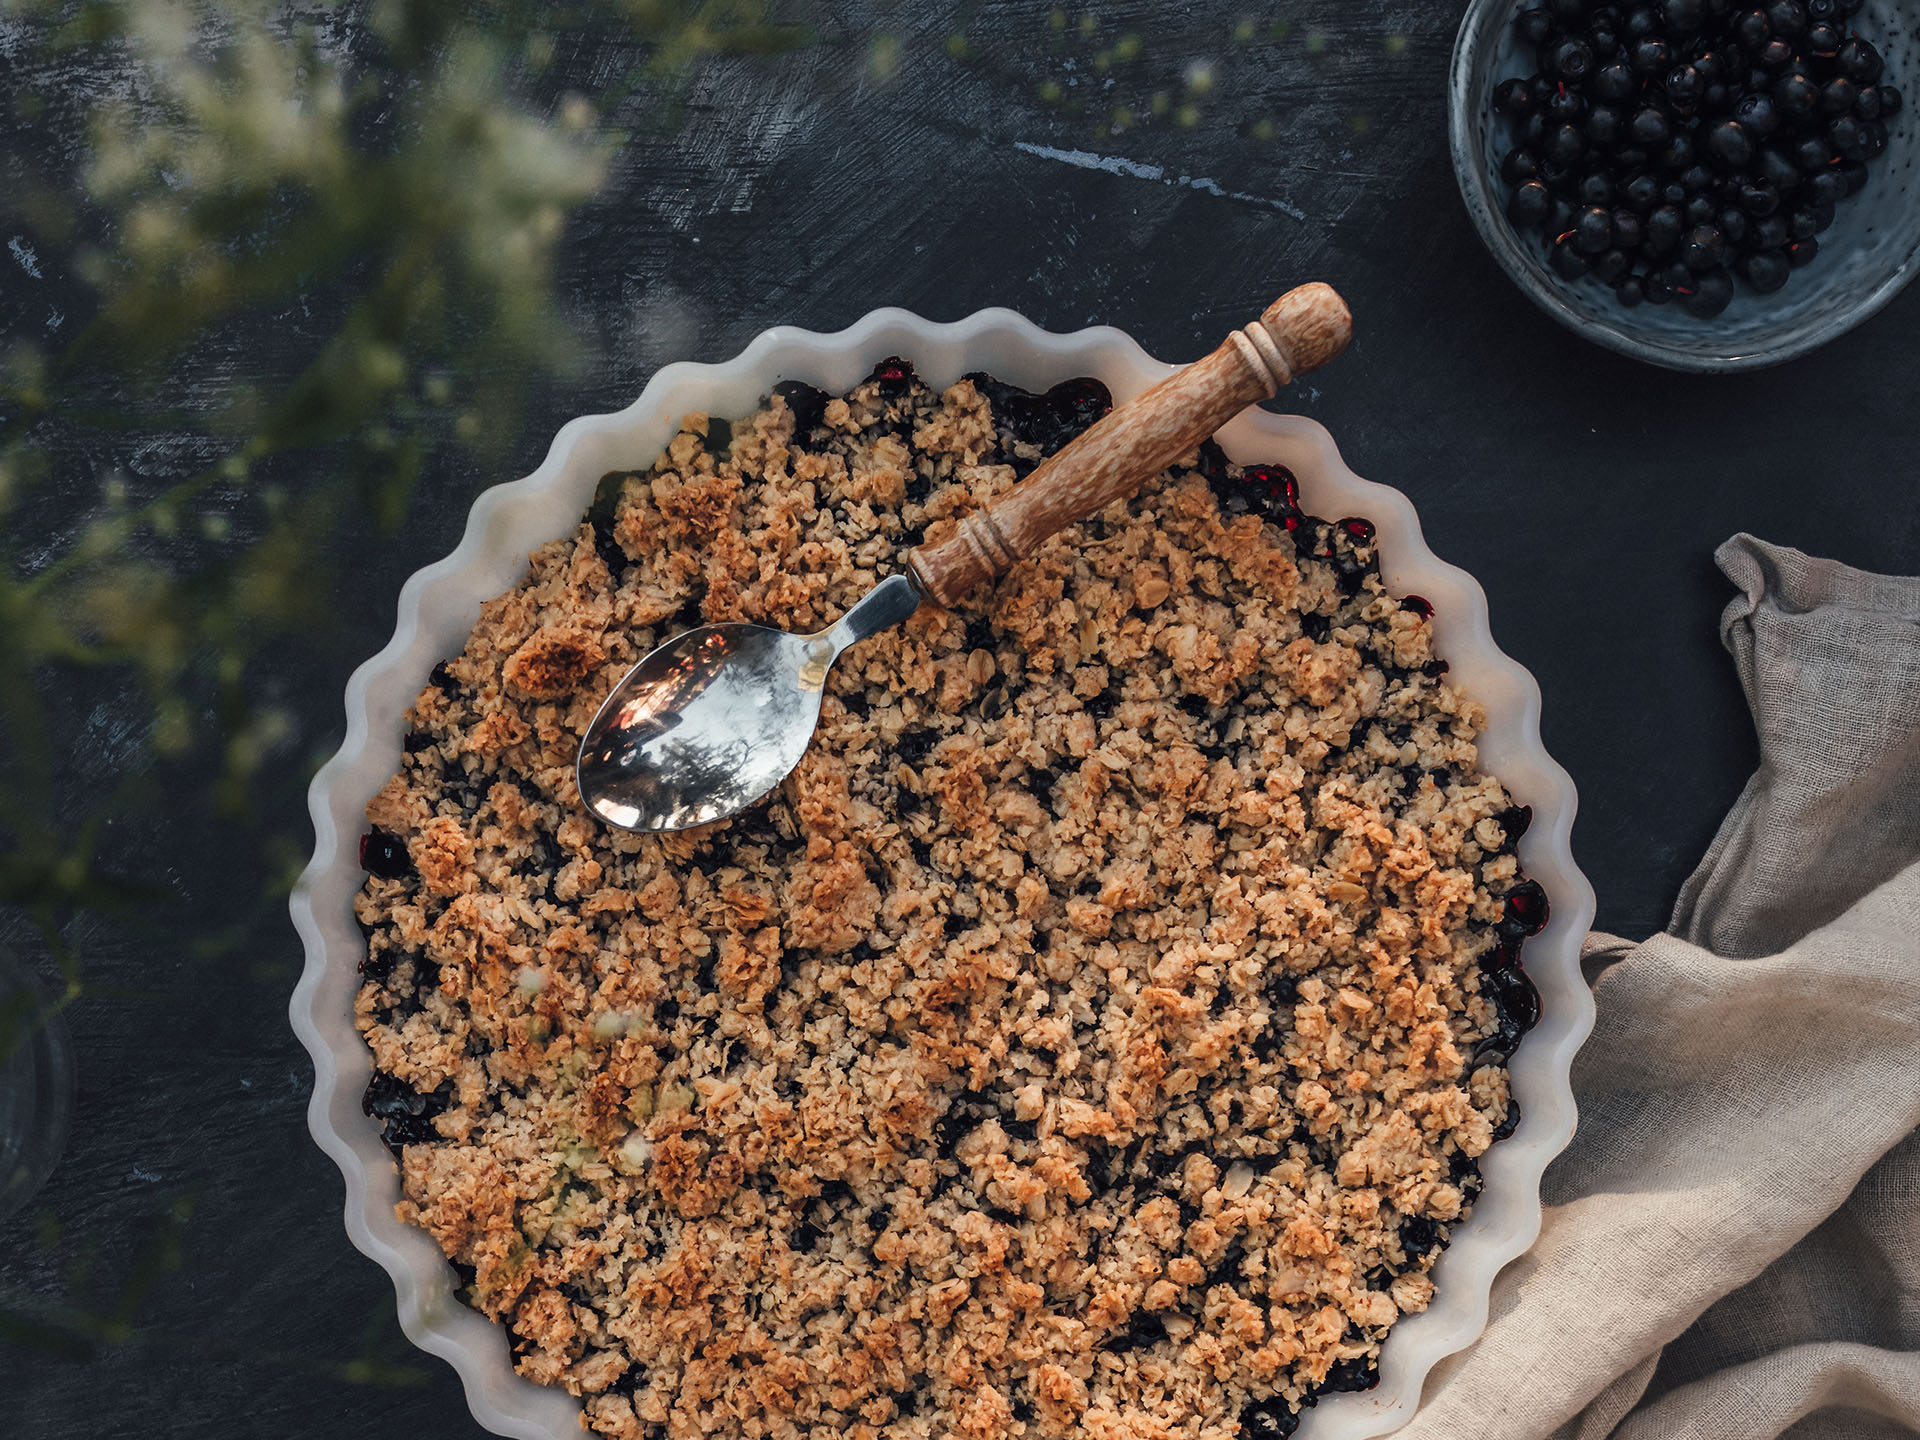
(379, 189)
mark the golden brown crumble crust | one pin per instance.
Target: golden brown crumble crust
(1077, 1044)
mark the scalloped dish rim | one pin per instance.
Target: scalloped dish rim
(439, 604)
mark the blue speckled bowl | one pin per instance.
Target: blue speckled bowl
(1871, 251)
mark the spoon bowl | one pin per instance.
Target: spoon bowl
(715, 718)
(704, 726)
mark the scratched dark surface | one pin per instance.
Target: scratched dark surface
(1586, 493)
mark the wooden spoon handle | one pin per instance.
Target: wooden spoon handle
(1301, 331)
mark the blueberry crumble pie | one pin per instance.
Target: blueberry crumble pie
(1096, 1035)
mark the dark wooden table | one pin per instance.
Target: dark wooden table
(1586, 492)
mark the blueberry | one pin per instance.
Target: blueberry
(1679, 153)
(1613, 84)
(1512, 993)
(1890, 101)
(1873, 137)
(1565, 145)
(1770, 233)
(1418, 1236)
(1568, 262)
(1685, 87)
(1758, 198)
(1822, 9)
(1569, 14)
(1758, 115)
(1827, 187)
(1649, 127)
(1752, 30)
(1526, 911)
(1802, 223)
(1801, 252)
(1709, 295)
(1630, 291)
(1595, 189)
(1823, 213)
(1604, 127)
(1734, 225)
(1730, 144)
(1567, 107)
(405, 1115)
(1866, 104)
(1144, 1329)
(1514, 98)
(1530, 205)
(1515, 820)
(1664, 227)
(1824, 40)
(1066, 409)
(1860, 62)
(1359, 1373)
(1674, 193)
(1683, 17)
(1609, 267)
(1777, 170)
(1642, 20)
(1556, 175)
(1534, 26)
(1268, 1420)
(1844, 134)
(1796, 96)
(1788, 18)
(1641, 193)
(1629, 229)
(1705, 248)
(893, 377)
(1519, 166)
(1657, 287)
(1625, 164)
(1651, 56)
(1854, 173)
(1699, 210)
(1696, 179)
(1775, 55)
(1837, 96)
(1765, 272)
(1813, 153)
(1561, 219)
(1571, 60)
(385, 855)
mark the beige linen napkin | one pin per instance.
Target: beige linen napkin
(1731, 1248)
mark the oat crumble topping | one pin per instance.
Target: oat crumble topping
(1095, 1035)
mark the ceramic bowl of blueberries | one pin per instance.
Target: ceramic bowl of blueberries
(1705, 185)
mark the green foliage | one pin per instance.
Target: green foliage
(381, 190)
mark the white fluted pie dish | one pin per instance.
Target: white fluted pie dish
(438, 607)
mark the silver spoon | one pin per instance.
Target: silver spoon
(717, 717)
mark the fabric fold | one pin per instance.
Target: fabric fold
(1731, 1244)
(1829, 657)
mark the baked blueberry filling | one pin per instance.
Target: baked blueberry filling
(1059, 967)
